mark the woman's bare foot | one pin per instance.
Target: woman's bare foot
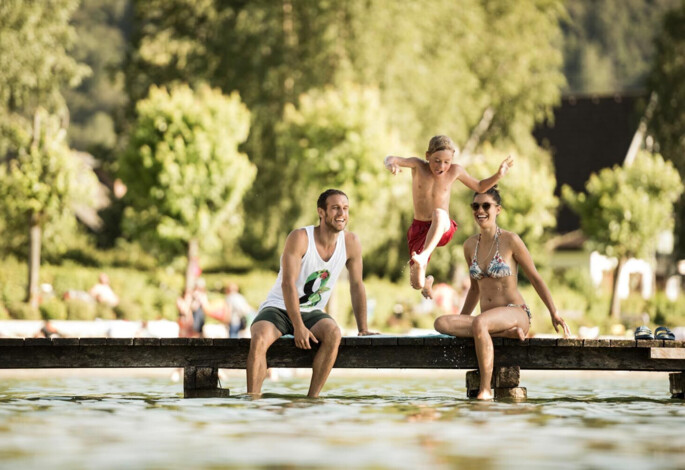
(514, 333)
(521, 334)
(485, 395)
(427, 290)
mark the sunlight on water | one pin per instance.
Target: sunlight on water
(403, 421)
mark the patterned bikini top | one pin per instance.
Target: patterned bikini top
(497, 267)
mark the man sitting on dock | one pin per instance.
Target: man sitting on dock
(312, 260)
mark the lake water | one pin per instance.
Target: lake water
(403, 420)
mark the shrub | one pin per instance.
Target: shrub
(665, 312)
(80, 310)
(4, 314)
(127, 310)
(53, 309)
(105, 312)
(22, 311)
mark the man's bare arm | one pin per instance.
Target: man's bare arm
(357, 290)
(291, 262)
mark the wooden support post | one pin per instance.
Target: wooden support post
(202, 382)
(677, 380)
(505, 381)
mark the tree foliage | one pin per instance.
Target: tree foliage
(437, 66)
(96, 105)
(45, 180)
(184, 173)
(608, 45)
(332, 139)
(667, 80)
(34, 61)
(623, 209)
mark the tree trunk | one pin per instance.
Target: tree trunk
(192, 269)
(615, 311)
(32, 291)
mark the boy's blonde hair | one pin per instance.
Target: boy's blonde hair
(440, 142)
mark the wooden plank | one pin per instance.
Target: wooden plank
(677, 384)
(358, 340)
(173, 341)
(37, 342)
(200, 341)
(232, 353)
(441, 340)
(570, 342)
(146, 341)
(596, 343)
(11, 342)
(515, 342)
(622, 343)
(92, 341)
(667, 353)
(120, 341)
(649, 343)
(384, 340)
(543, 342)
(65, 341)
(410, 341)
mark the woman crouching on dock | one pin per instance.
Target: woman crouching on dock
(493, 257)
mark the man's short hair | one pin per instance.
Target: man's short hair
(323, 198)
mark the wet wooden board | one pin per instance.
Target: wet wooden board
(398, 352)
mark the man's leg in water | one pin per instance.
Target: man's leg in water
(263, 334)
(440, 223)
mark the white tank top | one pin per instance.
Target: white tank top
(317, 277)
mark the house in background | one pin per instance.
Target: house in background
(589, 133)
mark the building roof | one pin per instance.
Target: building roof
(589, 132)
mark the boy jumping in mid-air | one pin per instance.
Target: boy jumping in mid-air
(432, 180)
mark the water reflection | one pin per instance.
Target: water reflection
(388, 422)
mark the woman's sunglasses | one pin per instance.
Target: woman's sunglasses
(486, 206)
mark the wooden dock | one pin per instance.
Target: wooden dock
(202, 357)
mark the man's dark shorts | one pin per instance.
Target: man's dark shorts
(282, 322)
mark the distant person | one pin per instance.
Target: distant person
(432, 180)
(47, 331)
(445, 298)
(193, 307)
(312, 260)
(185, 314)
(238, 308)
(102, 292)
(493, 257)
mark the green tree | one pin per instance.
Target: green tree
(41, 187)
(624, 209)
(332, 139)
(667, 79)
(608, 45)
(185, 175)
(35, 66)
(96, 105)
(440, 66)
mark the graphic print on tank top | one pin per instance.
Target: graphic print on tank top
(312, 297)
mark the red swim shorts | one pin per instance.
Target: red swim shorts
(416, 236)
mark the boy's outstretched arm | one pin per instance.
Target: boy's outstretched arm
(487, 183)
(395, 164)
